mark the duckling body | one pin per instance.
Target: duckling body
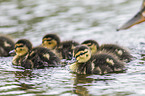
(66, 49)
(6, 45)
(119, 51)
(38, 57)
(44, 57)
(100, 63)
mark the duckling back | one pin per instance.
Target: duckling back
(6, 45)
(106, 63)
(66, 49)
(42, 57)
(119, 51)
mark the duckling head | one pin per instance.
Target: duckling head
(82, 53)
(66, 49)
(22, 47)
(92, 44)
(50, 41)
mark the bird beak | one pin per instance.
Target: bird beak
(12, 52)
(138, 18)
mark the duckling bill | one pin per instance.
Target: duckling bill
(138, 18)
(100, 63)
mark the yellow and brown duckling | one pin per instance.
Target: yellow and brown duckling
(100, 63)
(66, 49)
(92, 44)
(32, 58)
(22, 50)
(6, 45)
(52, 42)
(119, 51)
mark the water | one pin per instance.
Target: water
(72, 20)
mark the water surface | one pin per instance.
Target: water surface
(72, 20)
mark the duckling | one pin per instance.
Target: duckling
(119, 51)
(138, 18)
(66, 49)
(33, 58)
(92, 44)
(22, 49)
(52, 42)
(43, 56)
(6, 45)
(100, 63)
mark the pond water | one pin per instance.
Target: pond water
(77, 20)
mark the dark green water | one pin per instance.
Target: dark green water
(72, 20)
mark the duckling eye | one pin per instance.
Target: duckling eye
(81, 53)
(49, 43)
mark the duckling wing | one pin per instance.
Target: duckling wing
(105, 63)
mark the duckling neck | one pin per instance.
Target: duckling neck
(18, 59)
(78, 67)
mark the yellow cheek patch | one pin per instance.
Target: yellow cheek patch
(50, 44)
(21, 50)
(93, 48)
(83, 56)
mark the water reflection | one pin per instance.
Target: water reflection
(78, 20)
(82, 82)
(23, 74)
(79, 84)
